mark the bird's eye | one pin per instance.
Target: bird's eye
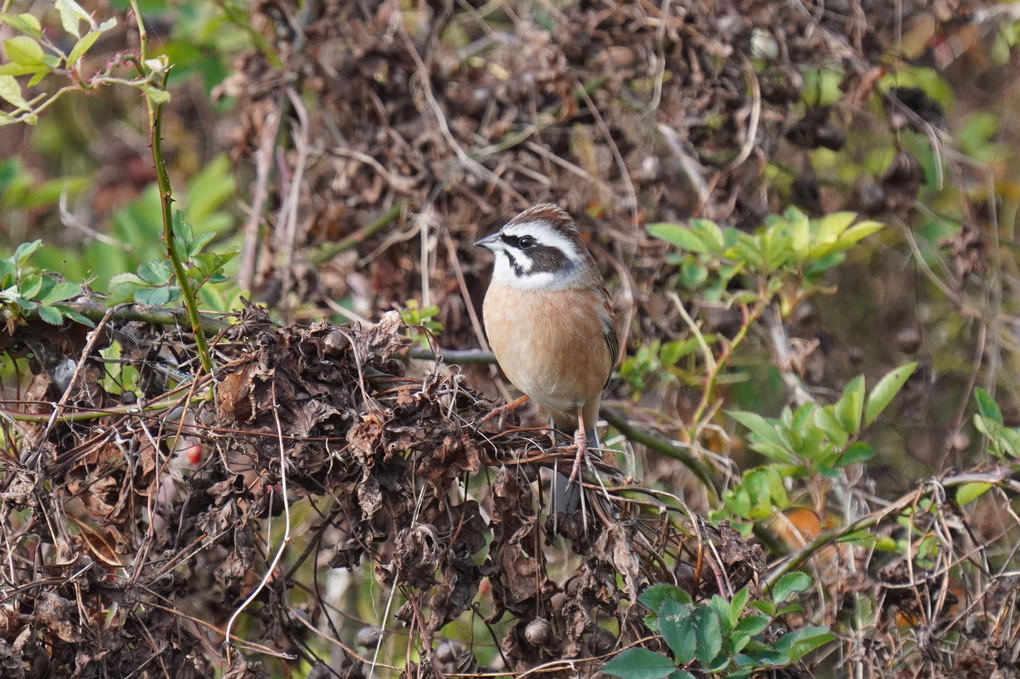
(526, 241)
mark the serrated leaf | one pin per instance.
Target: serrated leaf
(639, 663)
(153, 296)
(23, 23)
(10, 91)
(790, 584)
(25, 250)
(885, 391)
(752, 625)
(987, 406)
(969, 492)
(722, 611)
(70, 313)
(50, 315)
(30, 286)
(156, 272)
(858, 452)
(125, 278)
(850, 407)
(680, 236)
(740, 600)
(60, 292)
(709, 635)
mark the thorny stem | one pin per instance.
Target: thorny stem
(166, 198)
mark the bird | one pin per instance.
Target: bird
(549, 322)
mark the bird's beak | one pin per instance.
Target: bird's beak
(490, 242)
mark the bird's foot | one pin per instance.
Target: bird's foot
(500, 413)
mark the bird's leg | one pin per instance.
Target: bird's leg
(581, 442)
(502, 411)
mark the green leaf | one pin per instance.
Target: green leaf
(886, 390)
(10, 91)
(969, 492)
(23, 23)
(709, 635)
(857, 232)
(827, 422)
(156, 95)
(740, 600)
(24, 251)
(639, 663)
(800, 235)
(60, 292)
(656, 595)
(680, 236)
(808, 639)
(710, 234)
(752, 625)
(156, 272)
(758, 425)
(50, 315)
(68, 312)
(153, 296)
(31, 286)
(987, 406)
(71, 14)
(766, 607)
(790, 584)
(858, 452)
(849, 408)
(25, 51)
(678, 629)
(722, 611)
(830, 228)
(81, 47)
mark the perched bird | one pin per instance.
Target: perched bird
(549, 322)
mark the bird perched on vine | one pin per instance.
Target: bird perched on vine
(549, 322)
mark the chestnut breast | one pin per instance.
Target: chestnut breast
(549, 343)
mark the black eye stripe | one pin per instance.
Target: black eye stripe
(519, 242)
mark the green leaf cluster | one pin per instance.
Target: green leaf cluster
(25, 289)
(421, 320)
(34, 54)
(153, 283)
(787, 256)
(732, 639)
(661, 360)
(811, 440)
